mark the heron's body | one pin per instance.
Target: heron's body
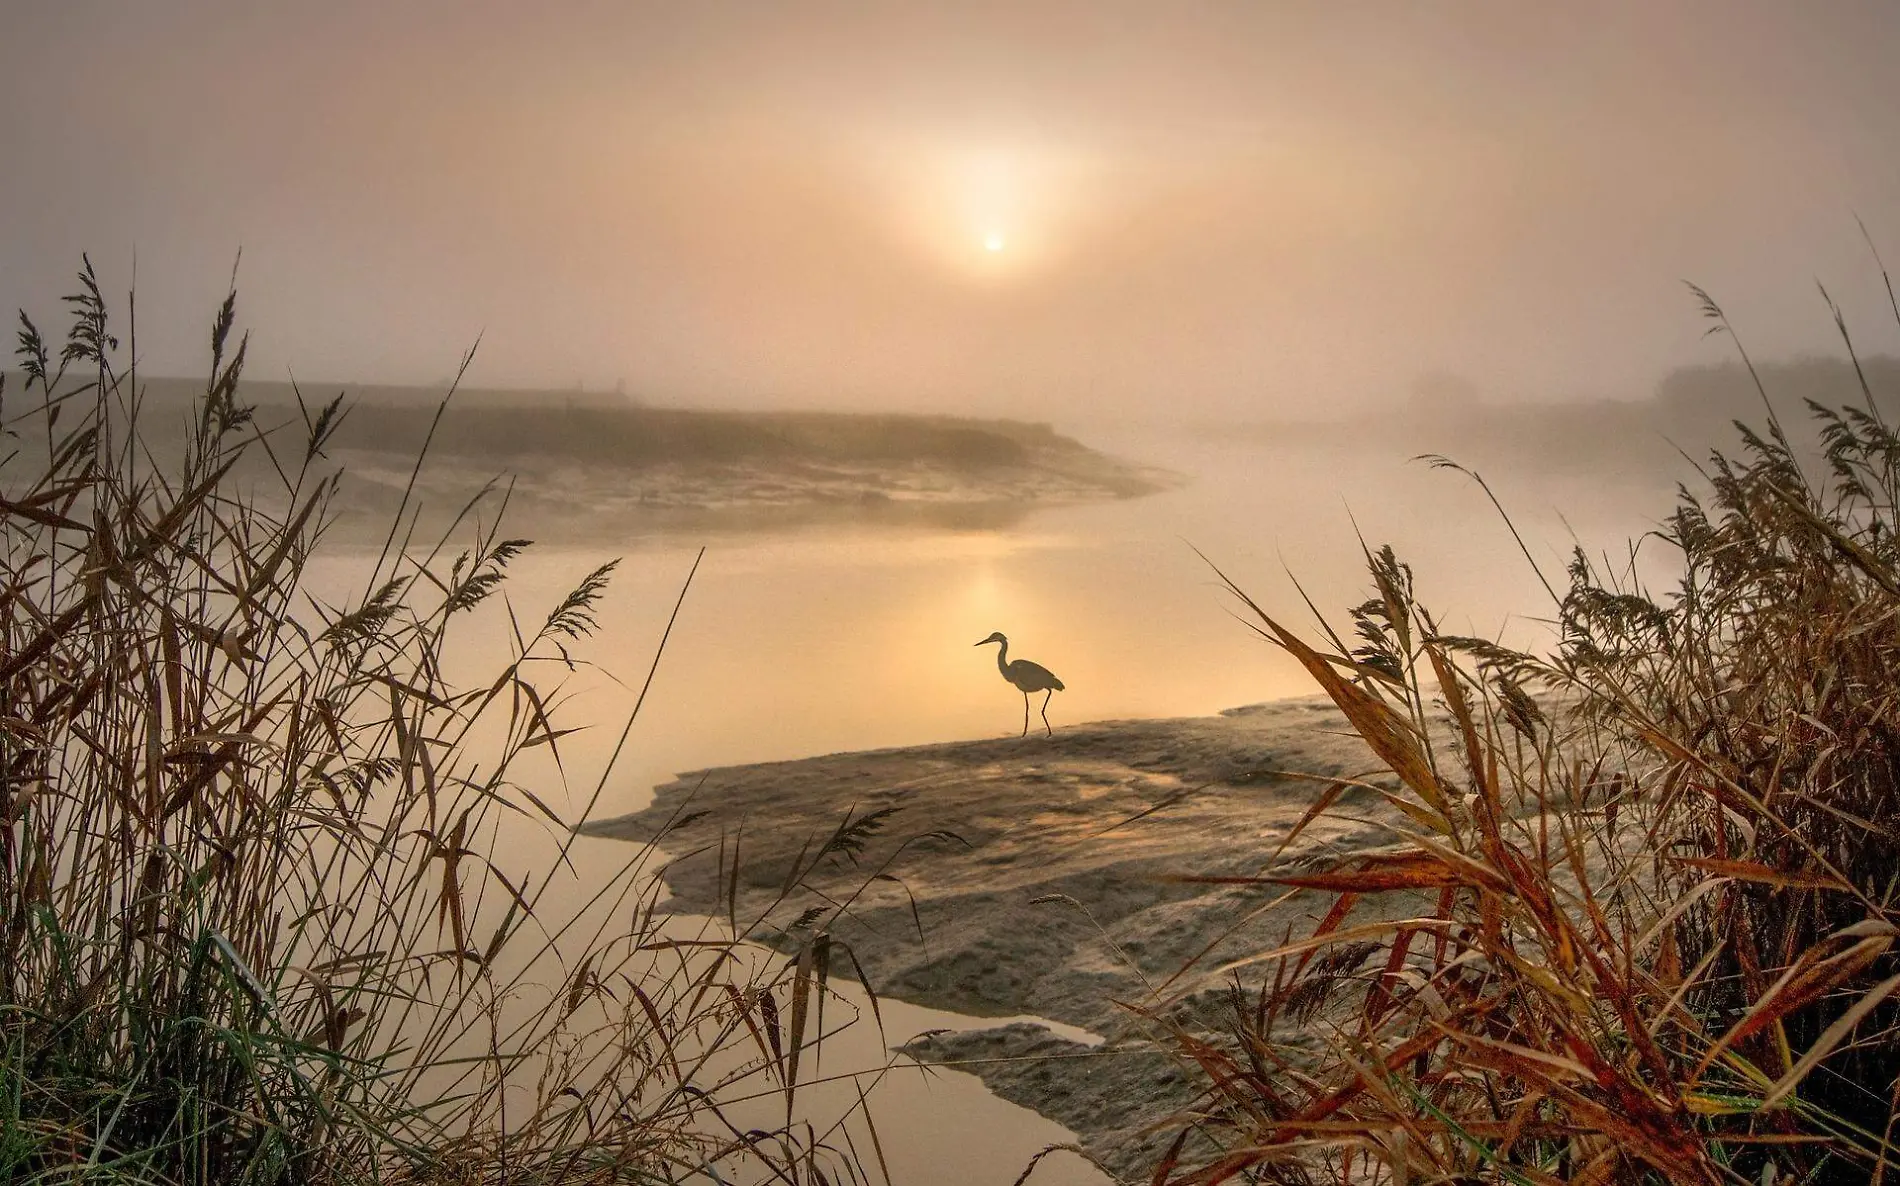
(1027, 677)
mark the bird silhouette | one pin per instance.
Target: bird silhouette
(1028, 677)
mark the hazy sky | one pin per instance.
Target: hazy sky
(1247, 207)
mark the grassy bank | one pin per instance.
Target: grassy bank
(591, 468)
(505, 426)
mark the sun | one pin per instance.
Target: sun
(991, 216)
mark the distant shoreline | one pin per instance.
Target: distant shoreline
(605, 468)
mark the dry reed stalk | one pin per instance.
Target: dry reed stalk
(254, 926)
(1643, 927)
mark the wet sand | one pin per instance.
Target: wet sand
(1043, 875)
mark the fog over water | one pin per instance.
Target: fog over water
(1278, 249)
(859, 637)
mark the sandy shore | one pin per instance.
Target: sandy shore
(1051, 898)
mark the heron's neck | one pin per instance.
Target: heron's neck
(1002, 657)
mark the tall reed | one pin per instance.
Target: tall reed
(255, 923)
(1641, 925)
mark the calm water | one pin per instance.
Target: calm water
(852, 639)
(830, 640)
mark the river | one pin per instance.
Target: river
(836, 639)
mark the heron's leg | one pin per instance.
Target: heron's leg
(1045, 710)
(1025, 714)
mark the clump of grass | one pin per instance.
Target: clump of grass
(1642, 925)
(256, 923)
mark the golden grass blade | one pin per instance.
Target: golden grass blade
(1830, 1039)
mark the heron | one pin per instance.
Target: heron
(1028, 677)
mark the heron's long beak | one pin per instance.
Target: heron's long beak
(981, 643)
